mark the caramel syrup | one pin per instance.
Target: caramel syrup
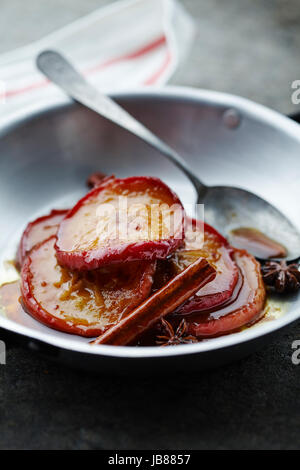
(10, 301)
(257, 243)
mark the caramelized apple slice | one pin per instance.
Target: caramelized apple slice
(121, 220)
(38, 231)
(162, 302)
(218, 253)
(244, 308)
(82, 303)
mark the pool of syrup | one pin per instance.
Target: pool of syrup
(257, 243)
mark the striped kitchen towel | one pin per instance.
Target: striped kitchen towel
(124, 45)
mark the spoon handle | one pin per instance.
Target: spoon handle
(63, 74)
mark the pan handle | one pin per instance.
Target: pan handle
(295, 116)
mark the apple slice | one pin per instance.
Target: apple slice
(244, 308)
(82, 303)
(215, 248)
(159, 304)
(38, 231)
(121, 220)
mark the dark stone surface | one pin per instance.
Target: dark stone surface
(251, 404)
(246, 47)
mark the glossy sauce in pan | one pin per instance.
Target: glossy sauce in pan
(257, 243)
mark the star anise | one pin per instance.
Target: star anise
(173, 337)
(280, 275)
(95, 179)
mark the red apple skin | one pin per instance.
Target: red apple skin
(246, 309)
(38, 231)
(71, 302)
(93, 258)
(219, 254)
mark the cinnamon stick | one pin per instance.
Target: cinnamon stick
(162, 302)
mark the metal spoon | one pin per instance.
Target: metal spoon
(226, 207)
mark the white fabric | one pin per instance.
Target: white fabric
(129, 43)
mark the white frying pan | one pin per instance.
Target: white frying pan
(46, 154)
